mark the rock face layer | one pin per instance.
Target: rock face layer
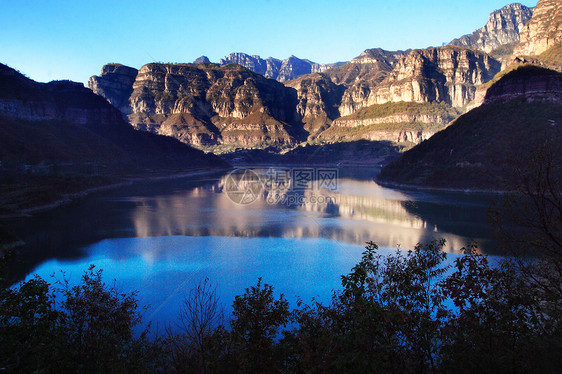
(318, 100)
(486, 146)
(502, 29)
(63, 121)
(543, 31)
(361, 75)
(396, 122)
(444, 74)
(210, 105)
(232, 106)
(281, 70)
(115, 83)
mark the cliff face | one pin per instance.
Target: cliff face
(361, 75)
(484, 147)
(211, 105)
(115, 83)
(63, 121)
(318, 100)
(281, 70)
(395, 122)
(543, 31)
(444, 74)
(502, 29)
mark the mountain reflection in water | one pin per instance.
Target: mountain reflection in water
(357, 212)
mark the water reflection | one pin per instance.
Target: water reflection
(356, 212)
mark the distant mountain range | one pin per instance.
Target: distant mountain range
(281, 70)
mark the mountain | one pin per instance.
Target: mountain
(202, 60)
(115, 84)
(208, 104)
(491, 145)
(225, 107)
(63, 122)
(281, 70)
(543, 31)
(361, 75)
(318, 101)
(397, 122)
(373, 93)
(443, 74)
(501, 32)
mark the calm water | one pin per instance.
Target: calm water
(161, 238)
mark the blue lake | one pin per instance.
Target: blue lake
(162, 238)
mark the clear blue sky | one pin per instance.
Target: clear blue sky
(50, 39)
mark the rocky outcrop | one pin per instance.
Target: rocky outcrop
(212, 105)
(201, 60)
(444, 74)
(318, 100)
(281, 70)
(543, 31)
(371, 65)
(395, 122)
(115, 83)
(502, 29)
(361, 75)
(394, 118)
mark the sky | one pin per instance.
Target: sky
(52, 39)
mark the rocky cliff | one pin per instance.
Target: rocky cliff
(444, 74)
(318, 101)
(115, 83)
(281, 70)
(212, 105)
(63, 121)
(501, 30)
(395, 122)
(491, 146)
(543, 31)
(361, 75)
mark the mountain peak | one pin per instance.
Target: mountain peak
(501, 30)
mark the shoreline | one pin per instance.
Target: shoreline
(411, 187)
(127, 181)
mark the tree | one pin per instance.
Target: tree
(196, 343)
(257, 318)
(29, 328)
(99, 324)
